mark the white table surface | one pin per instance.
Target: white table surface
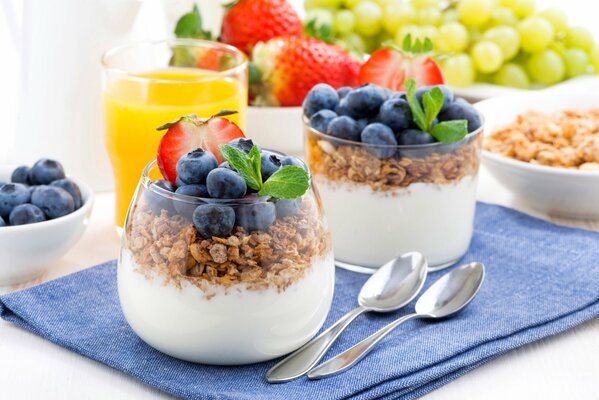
(561, 367)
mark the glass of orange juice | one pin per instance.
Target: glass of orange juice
(148, 84)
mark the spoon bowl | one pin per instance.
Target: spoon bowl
(394, 284)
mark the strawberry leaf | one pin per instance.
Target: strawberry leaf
(288, 182)
(320, 31)
(190, 26)
(243, 164)
(450, 131)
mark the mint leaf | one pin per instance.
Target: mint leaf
(243, 164)
(254, 156)
(190, 26)
(288, 182)
(450, 131)
(432, 101)
(417, 113)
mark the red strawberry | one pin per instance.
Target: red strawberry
(390, 68)
(248, 22)
(189, 133)
(291, 66)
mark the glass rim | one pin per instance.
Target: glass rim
(212, 75)
(466, 139)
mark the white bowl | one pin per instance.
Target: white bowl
(556, 191)
(277, 128)
(27, 250)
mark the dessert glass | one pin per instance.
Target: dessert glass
(234, 300)
(382, 201)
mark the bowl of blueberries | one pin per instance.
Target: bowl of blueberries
(43, 213)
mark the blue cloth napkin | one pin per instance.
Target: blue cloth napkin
(542, 279)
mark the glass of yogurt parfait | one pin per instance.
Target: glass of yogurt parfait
(230, 264)
(396, 172)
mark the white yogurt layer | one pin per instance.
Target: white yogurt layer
(370, 228)
(237, 327)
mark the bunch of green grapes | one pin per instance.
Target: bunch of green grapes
(506, 42)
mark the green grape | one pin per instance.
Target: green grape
(576, 61)
(369, 18)
(595, 58)
(579, 37)
(343, 22)
(512, 75)
(559, 47)
(428, 31)
(321, 15)
(351, 3)
(450, 15)
(536, 34)
(506, 38)
(420, 4)
(556, 17)
(458, 70)
(354, 42)
(398, 14)
(452, 38)
(503, 16)
(310, 4)
(546, 67)
(523, 8)
(508, 3)
(428, 16)
(474, 12)
(383, 3)
(486, 56)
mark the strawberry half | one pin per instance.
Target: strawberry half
(190, 133)
(390, 68)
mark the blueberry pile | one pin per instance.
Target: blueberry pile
(37, 194)
(199, 175)
(378, 116)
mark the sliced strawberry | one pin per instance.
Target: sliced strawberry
(190, 133)
(390, 68)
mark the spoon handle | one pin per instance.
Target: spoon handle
(307, 356)
(351, 356)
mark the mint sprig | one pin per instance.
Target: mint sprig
(425, 114)
(288, 182)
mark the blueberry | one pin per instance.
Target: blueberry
(342, 108)
(343, 91)
(365, 101)
(179, 182)
(320, 120)
(26, 214)
(290, 160)
(362, 122)
(158, 201)
(447, 94)
(21, 175)
(214, 220)
(46, 171)
(286, 207)
(269, 164)
(379, 134)
(415, 137)
(257, 216)
(399, 95)
(344, 127)
(396, 114)
(224, 183)
(53, 201)
(461, 109)
(194, 190)
(12, 195)
(243, 144)
(224, 164)
(2, 223)
(193, 167)
(72, 188)
(320, 97)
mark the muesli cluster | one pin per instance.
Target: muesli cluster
(567, 139)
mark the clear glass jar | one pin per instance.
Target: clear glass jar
(239, 299)
(382, 201)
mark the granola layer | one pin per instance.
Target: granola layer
(278, 257)
(567, 139)
(355, 164)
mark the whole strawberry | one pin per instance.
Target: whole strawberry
(248, 22)
(291, 66)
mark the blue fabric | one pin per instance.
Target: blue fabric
(542, 279)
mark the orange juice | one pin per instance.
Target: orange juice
(136, 105)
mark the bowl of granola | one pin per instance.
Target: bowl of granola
(393, 173)
(225, 259)
(544, 148)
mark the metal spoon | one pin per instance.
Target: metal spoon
(391, 287)
(445, 298)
